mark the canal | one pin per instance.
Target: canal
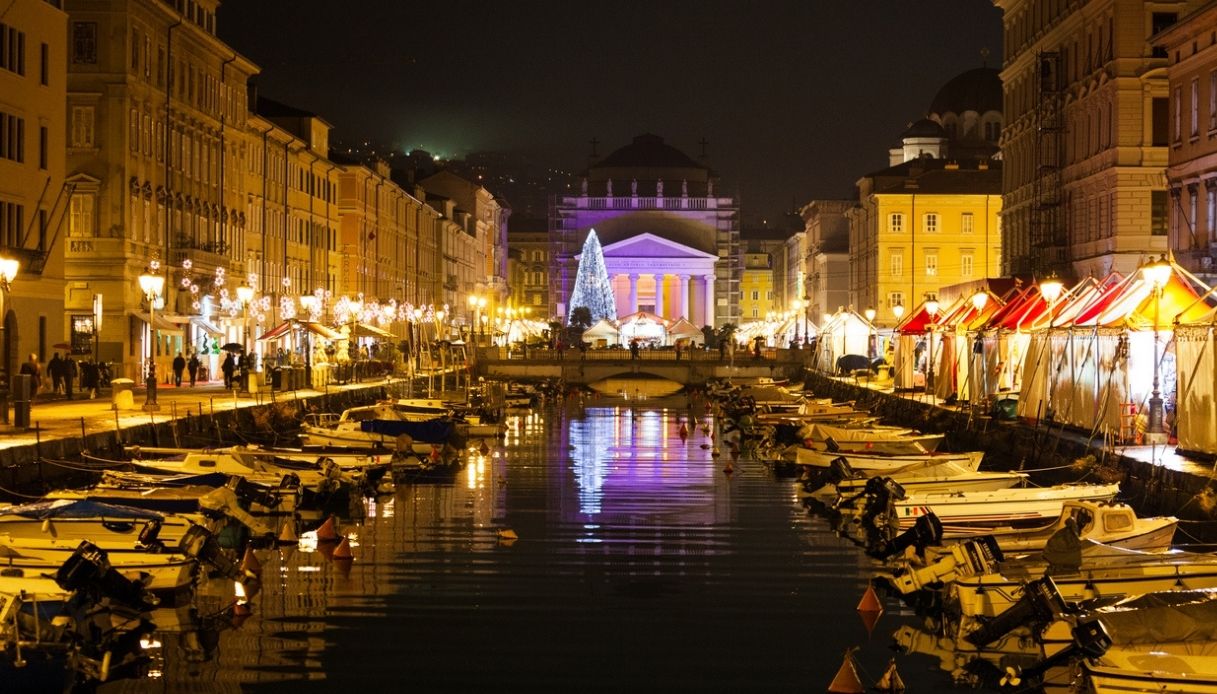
(639, 566)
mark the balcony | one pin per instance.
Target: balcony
(204, 255)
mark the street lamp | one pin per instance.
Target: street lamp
(310, 303)
(245, 294)
(1050, 289)
(152, 284)
(8, 273)
(1157, 273)
(931, 308)
(870, 339)
(797, 305)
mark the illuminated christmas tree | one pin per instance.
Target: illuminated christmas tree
(592, 288)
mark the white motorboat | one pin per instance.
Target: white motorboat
(1113, 524)
(963, 513)
(159, 571)
(73, 520)
(1105, 572)
(322, 476)
(938, 478)
(75, 517)
(381, 426)
(879, 441)
(865, 462)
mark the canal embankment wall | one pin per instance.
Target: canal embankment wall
(51, 460)
(1051, 454)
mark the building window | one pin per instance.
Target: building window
(965, 265)
(42, 148)
(12, 49)
(931, 222)
(12, 137)
(82, 126)
(1178, 123)
(896, 261)
(12, 223)
(755, 312)
(1157, 212)
(1211, 204)
(1195, 107)
(44, 65)
(756, 295)
(895, 222)
(84, 43)
(1213, 100)
(80, 215)
(895, 299)
(931, 264)
(769, 295)
(967, 224)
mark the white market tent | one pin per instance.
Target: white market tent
(602, 330)
(844, 332)
(682, 329)
(643, 326)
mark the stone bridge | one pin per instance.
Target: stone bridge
(692, 368)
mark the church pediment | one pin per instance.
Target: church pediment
(648, 245)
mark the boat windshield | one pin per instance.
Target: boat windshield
(1084, 519)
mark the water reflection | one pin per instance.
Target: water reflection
(640, 566)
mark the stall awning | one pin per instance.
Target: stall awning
(276, 332)
(365, 330)
(321, 330)
(160, 324)
(207, 327)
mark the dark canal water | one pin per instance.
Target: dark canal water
(640, 566)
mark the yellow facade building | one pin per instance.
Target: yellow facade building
(757, 291)
(33, 201)
(1088, 127)
(922, 225)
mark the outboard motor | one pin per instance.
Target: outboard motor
(88, 571)
(199, 544)
(1040, 604)
(1090, 640)
(880, 492)
(149, 535)
(970, 558)
(839, 469)
(926, 531)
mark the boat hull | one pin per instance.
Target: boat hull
(962, 515)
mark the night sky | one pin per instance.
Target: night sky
(797, 98)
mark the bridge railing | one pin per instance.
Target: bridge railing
(547, 356)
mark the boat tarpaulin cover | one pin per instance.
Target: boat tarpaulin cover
(1177, 615)
(66, 508)
(431, 431)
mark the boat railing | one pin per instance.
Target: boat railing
(324, 420)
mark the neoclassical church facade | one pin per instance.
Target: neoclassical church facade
(670, 235)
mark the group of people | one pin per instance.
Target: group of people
(181, 365)
(63, 373)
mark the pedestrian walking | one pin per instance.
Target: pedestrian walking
(228, 367)
(70, 372)
(192, 367)
(89, 377)
(676, 347)
(34, 369)
(55, 368)
(634, 349)
(179, 365)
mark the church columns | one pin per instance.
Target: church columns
(659, 293)
(684, 297)
(633, 306)
(710, 299)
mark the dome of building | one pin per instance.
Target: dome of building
(648, 152)
(976, 90)
(924, 128)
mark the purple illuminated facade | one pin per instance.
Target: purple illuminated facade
(670, 237)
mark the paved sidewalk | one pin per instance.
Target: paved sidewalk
(54, 417)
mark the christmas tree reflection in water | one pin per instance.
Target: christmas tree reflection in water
(631, 471)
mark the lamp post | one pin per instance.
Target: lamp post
(152, 284)
(870, 338)
(1050, 289)
(797, 305)
(8, 272)
(310, 303)
(245, 295)
(931, 308)
(1158, 273)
